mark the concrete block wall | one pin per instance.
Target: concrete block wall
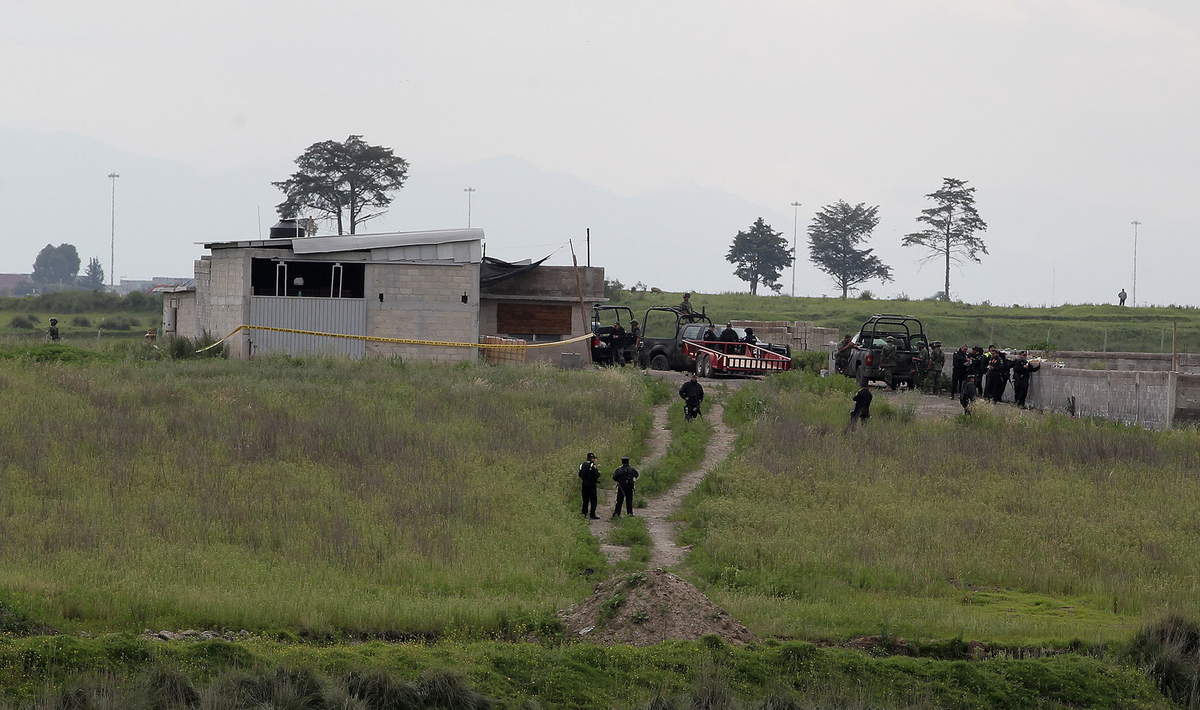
(1159, 362)
(424, 302)
(1134, 397)
(228, 298)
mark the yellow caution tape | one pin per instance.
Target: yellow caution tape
(400, 341)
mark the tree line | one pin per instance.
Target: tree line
(949, 232)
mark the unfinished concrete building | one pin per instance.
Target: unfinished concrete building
(430, 285)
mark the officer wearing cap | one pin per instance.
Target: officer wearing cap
(937, 362)
(589, 476)
(624, 476)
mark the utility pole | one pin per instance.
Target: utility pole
(795, 231)
(468, 190)
(1133, 294)
(112, 234)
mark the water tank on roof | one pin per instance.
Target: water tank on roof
(290, 229)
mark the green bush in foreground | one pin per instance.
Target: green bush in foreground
(145, 674)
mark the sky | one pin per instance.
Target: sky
(665, 127)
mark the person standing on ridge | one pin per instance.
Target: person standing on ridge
(1122, 296)
(589, 477)
(624, 476)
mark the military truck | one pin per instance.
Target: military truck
(661, 345)
(907, 332)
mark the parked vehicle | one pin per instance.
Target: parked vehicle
(674, 340)
(907, 332)
(604, 349)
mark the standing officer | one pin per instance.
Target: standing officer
(968, 394)
(686, 305)
(728, 336)
(959, 365)
(750, 337)
(862, 408)
(1022, 369)
(692, 394)
(887, 361)
(841, 361)
(589, 476)
(937, 362)
(1122, 296)
(624, 476)
(52, 332)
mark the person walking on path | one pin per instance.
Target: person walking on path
(589, 477)
(969, 392)
(625, 475)
(692, 394)
(862, 408)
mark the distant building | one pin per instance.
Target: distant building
(10, 282)
(128, 286)
(430, 285)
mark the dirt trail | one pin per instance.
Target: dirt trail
(660, 438)
(664, 551)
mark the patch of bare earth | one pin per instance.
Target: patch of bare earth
(646, 608)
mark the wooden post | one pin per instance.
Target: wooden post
(579, 288)
(1174, 347)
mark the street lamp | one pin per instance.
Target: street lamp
(795, 231)
(1133, 295)
(468, 190)
(112, 234)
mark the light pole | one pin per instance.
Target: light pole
(1133, 295)
(468, 190)
(795, 231)
(112, 234)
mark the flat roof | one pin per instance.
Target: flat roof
(356, 242)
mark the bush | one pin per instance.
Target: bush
(866, 295)
(117, 323)
(1169, 651)
(21, 323)
(82, 302)
(81, 322)
(810, 361)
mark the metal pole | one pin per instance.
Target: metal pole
(589, 247)
(1174, 347)
(795, 230)
(1133, 295)
(112, 234)
(468, 190)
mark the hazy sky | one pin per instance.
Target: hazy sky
(1071, 117)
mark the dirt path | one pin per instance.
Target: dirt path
(660, 438)
(664, 550)
(925, 405)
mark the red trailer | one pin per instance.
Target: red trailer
(721, 358)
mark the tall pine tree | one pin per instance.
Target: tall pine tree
(950, 229)
(833, 239)
(759, 256)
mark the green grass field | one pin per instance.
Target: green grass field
(1007, 527)
(1079, 327)
(317, 496)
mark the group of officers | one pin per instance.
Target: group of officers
(974, 372)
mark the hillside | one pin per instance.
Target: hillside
(1068, 327)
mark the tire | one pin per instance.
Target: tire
(703, 367)
(660, 362)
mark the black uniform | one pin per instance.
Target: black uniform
(969, 391)
(862, 408)
(997, 376)
(709, 334)
(624, 476)
(1022, 369)
(52, 333)
(729, 335)
(959, 364)
(692, 393)
(589, 476)
(979, 366)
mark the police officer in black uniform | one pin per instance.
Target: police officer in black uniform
(692, 394)
(589, 476)
(1022, 369)
(624, 476)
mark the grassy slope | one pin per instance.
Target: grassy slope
(585, 676)
(1068, 327)
(314, 495)
(1004, 528)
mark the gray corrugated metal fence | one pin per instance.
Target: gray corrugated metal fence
(327, 315)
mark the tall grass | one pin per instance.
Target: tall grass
(1001, 526)
(313, 495)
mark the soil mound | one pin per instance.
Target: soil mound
(645, 608)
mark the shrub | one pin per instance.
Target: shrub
(81, 321)
(116, 323)
(1169, 651)
(21, 323)
(810, 361)
(866, 295)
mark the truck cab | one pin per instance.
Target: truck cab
(907, 332)
(663, 332)
(609, 347)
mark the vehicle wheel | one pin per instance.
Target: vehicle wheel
(660, 362)
(702, 366)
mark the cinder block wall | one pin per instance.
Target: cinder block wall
(1142, 398)
(1160, 362)
(227, 296)
(423, 302)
